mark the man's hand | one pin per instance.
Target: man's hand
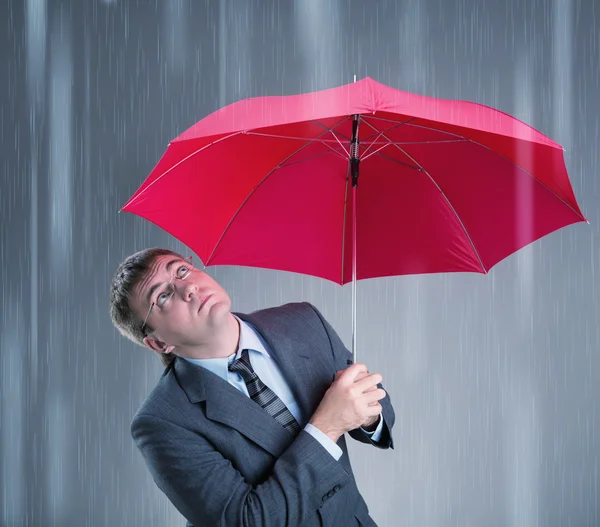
(371, 420)
(346, 404)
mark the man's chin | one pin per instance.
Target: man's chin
(215, 308)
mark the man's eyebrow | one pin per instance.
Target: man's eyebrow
(157, 285)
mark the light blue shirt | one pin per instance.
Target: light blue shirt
(270, 374)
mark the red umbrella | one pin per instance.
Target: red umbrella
(356, 182)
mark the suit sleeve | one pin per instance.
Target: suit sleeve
(207, 489)
(375, 435)
(343, 358)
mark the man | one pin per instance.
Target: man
(245, 426)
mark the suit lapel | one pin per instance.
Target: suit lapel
(225, 404)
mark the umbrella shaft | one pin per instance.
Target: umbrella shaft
(354, 166)
(354, 189)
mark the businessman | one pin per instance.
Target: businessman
(246, 424)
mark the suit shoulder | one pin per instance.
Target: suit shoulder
(289, 312)
(158, 402)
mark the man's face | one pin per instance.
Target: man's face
(197, 309)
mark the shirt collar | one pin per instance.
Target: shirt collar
(249, 339)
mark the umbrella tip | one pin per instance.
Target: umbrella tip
(355, 77)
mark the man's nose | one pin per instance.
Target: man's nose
(189, 289)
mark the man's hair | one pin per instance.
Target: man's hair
(129, 274)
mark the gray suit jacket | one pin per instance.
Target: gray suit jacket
(224, 461)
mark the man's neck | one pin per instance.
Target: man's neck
(224, 343)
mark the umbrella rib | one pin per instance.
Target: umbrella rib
(322, 141)
(347, 153)
(511, 161)
(292, 137)
(176, 165)
(418, 126)
(438, 130)
(332, 129)
(418, 169)
(252, 192)
(412, 143)
(532, 177)
(491, 150)
(379, 134)
(374, 151)
(337, 152)
(364, 154)
(449, 203)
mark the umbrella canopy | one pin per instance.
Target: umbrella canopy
(443, 186)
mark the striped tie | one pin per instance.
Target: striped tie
(263, 395)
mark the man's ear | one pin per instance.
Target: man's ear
(157, 345)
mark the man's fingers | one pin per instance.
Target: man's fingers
(361, 374)
(370, 381)
(353, 370)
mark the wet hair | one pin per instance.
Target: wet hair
(129, 274)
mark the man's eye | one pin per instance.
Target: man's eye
(162, 298)
(184, 269)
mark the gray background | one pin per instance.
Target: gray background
(494, 379)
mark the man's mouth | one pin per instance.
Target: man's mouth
(203, 301)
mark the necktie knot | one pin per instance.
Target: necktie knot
(243, 366)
